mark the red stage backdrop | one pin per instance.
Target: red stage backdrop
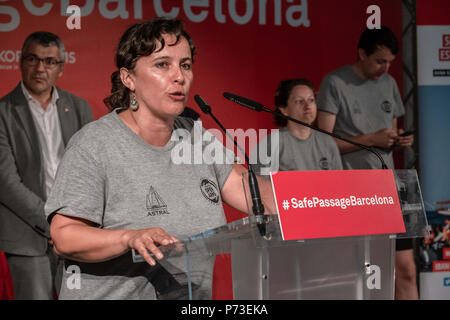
(243, 46)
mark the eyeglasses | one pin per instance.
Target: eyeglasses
(49, 62)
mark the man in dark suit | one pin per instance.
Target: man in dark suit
(37, 120)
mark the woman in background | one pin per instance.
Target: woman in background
(299, 148)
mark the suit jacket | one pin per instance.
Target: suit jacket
(23, 227)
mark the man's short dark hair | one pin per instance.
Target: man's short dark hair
(45, 39)
(371, 39)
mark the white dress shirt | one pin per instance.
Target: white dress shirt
(49, 133)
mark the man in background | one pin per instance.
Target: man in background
(37, 120)
(362, 103)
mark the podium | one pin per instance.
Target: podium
(264, 266)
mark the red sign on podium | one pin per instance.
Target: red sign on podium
(326, 204)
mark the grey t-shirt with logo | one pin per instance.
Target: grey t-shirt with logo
(112, 177)
(289, 153)
(361, 107)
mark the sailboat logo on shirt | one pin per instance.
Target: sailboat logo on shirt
(155, 204)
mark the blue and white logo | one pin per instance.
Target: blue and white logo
(446, 282)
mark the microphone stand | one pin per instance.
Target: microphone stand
(258, 207)
(256, 106)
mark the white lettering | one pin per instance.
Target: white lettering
(261, 154)
(294, 203)
(303, 9)
(85, 10)
(241, 137)
(70, 57)
(74, 280)
(220, 17)
(374, 21)
(277, 12)
(193, 310)
(237, 18)
(374, 280)
(138, 9)
(267, 153)
(442, 266)
(37, 11)
(295, 12)
(195, 17)
(160, 11)
(262, 11)
(9, 56)
(207, 145)
(198, 144)
(15, 19)
(344, 203)
(181, 153)
(315, 201)
(74, 21)
(121, 9)
(213, 152)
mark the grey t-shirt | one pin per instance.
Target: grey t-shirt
(289, 153)
(112, 177)
(361, 107)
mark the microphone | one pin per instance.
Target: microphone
(244, 102)
(256, 106)
(207, 110)
(257, 206)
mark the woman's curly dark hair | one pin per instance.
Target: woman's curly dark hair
(140, 40)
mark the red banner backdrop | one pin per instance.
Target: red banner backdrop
(244, 46)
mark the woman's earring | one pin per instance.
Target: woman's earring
(134, 105)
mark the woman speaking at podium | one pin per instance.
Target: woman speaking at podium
(118, 187)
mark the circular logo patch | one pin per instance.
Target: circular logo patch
(386, 106)
(209, 190)
(323, 164)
